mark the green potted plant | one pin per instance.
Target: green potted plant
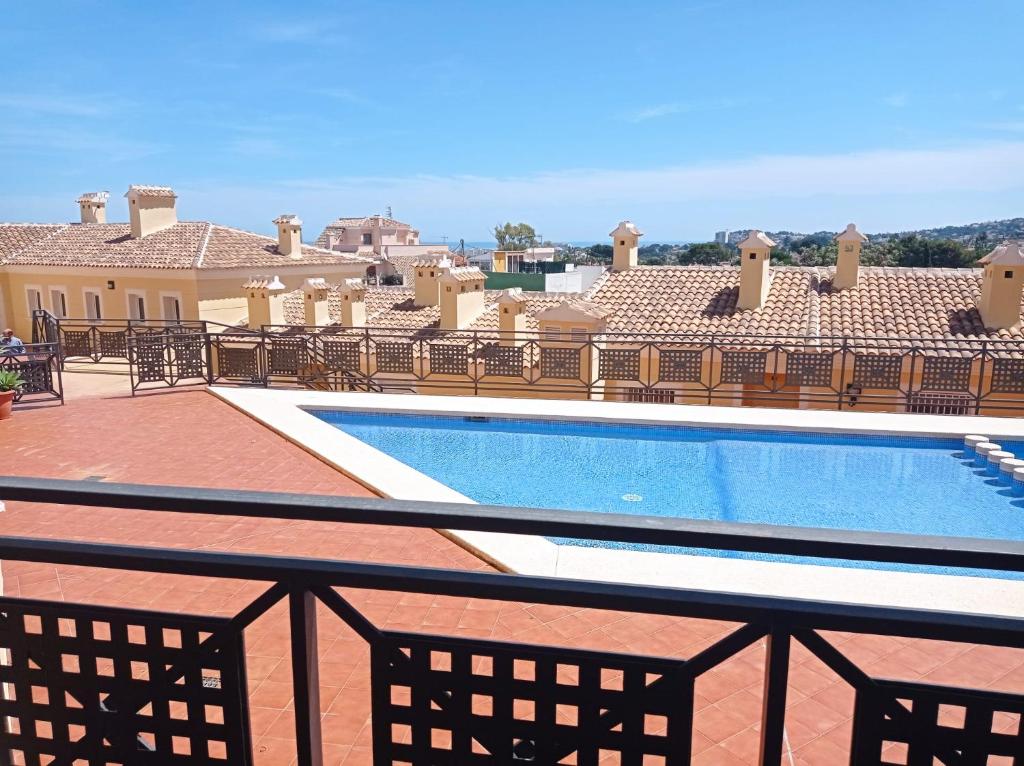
(10, 382)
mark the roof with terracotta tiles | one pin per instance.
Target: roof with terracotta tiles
(185, 245)
(150, 191)
(339, 224)
(888, 302)
(15, 237)
(906, 302)
(702, 299)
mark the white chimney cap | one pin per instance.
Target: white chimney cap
(626, 227)
(141, 190)
(850, 234)
(97, 198)
(757, 239)
(289, 218)
(1006, 254)
(275, 284)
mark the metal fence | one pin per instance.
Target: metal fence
(454, 698)
(39, 366)
(927, 375)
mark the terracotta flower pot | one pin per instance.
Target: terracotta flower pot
(6, 400)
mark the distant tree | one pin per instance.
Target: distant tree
(936, 253)
(518, 236)
(600, 253)
(391, 279)
(705, 253)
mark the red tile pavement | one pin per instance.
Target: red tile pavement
(193, 439)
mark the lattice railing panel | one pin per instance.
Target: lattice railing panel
(503, 360)
(618, 364)
(946, 373)
(442, 700)
(189, 355)
(341, 354)
(677, 365)
(394, 357)
(809, 369)
(240, 362)
(113, 343)
(906, 723)
(76, 342)
(286, 356)
(1008, 376)
(449, 358)
(91, 685)
(744, 366)
(151, 359)
(561, 363)
(877, 371)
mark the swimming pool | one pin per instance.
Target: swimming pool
(910, 484)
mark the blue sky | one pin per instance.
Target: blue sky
(686, 116)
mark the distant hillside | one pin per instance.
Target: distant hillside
(968, 234)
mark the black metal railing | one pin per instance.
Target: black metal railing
(429, 685)
(39, 366)
(925, 375)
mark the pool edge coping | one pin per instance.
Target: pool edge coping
(287, 414)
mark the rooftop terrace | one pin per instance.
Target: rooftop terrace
(192, 439)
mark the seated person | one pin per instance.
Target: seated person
(11, 344)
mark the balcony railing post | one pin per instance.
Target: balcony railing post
(773, 710)
(305, 677)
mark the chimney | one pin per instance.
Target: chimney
(461, 296)
(93, 207)
(1002, 279)
(289, 235)
(625, 246)
(755, 255)
(426, 272)
(848, 261)
(257, 298)
(353, 303)
(151, 209)
(314, 291)
(511, 317)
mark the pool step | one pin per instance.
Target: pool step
(996, 461)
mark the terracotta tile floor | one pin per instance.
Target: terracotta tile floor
(193, 439)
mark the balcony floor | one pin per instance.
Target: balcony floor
(191, 438)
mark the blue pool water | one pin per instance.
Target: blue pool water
(883, 483)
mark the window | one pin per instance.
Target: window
(655, 395)
(1007, 274)
(579, 334)
(367, 239)
(93, 305)
(33, 299)
(171, 306)
(58, 302)
(552, 333)
(136, 306)
(941, 404)
(753, 256)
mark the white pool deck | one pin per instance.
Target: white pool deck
(285, 413)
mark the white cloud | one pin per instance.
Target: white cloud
(664, 110)
(880, 187)
(294, 31)
(653, 112)
(256, 146)
(1009, 127)
(65, 105)
(896, 100)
